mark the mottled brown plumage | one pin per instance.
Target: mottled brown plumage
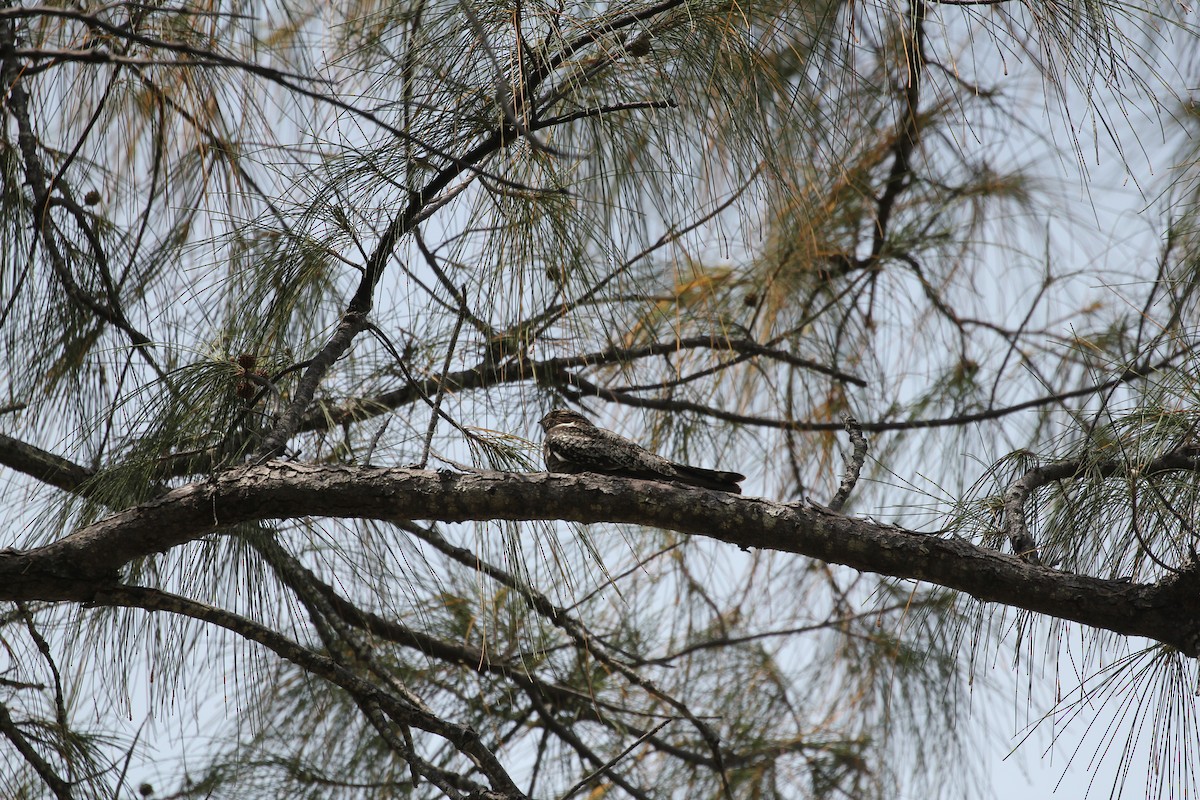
(573, 444)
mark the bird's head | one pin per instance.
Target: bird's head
(561, 416)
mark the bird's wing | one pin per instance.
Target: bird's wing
(709, 478)
(599, 450)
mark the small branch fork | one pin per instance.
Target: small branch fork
(557, 371)
(348, 649)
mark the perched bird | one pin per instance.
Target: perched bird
(573, 444)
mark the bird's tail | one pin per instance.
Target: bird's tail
(709, 478)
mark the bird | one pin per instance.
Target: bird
(573, 444)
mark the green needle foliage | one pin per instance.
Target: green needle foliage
(250, 250)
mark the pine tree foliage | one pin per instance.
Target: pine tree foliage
(285, 287)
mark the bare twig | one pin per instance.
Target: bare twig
(441, 392)
(60, 704)
(599, 111)
(1015, 527)
(585, 780)
(514, 105)
(375, 441)
(42, 187)
(399, 359)
(909, 135)
(1136, 524)
(854, 463)
(10, 731)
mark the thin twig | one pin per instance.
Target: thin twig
(585, 780)
(60, 704)
(854, 463)
(599, 111)
(514, 106)
(1137, 526)
(391, 348)
(441, 392)
(375, 441)
(1015, 528)
(10, 731)
(586, 641)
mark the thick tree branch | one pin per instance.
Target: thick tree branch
(90, 559)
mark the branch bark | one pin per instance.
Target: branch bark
(89, 560)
